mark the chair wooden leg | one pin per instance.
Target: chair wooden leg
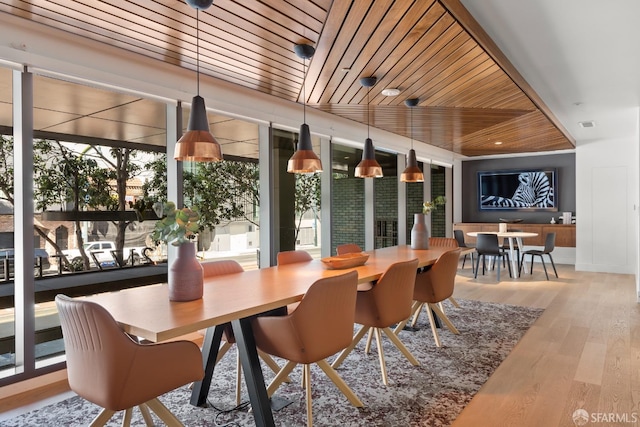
(344, 353)
(367, 348)
(146, 415)
(165, 415)
(383, 367)
(416, 313)
(434, 330)
(224, 348)
(102, 418)
(126, 419)
(279, 378)
(339, 382)
(307, 376)
(454, 302)
(400, 326)
(268, 360)
(445, 320)
(394, 339)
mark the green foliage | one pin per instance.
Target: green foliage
(428, 207)
(178, 227)
(6, 169)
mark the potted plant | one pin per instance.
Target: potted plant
(420, 230)
(180, 227)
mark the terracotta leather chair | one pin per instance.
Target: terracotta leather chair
(290, 257)
(321, 326)
(431, 288)
(447, 242)
(387, 303)
(348, 248)
(106, 367)
(220, 268)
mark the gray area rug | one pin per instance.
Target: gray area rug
(432, 394)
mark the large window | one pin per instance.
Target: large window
(347, 198)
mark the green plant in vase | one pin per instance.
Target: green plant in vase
(428, 207)
(178, 226)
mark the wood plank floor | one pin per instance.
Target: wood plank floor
(583, 352)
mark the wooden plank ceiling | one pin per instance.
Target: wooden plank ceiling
(470, 97)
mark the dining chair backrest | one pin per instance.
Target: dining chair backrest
(437, 283)
(313, 332)
(348, 248)
(550, 242)
(459, 236)
(220, 267)
(390, 299)
(290, 257)
(443, 242)
(487, 243)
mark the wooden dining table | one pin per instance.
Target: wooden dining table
(146, 312)
(511, 236)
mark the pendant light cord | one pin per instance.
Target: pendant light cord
(411, 131)
(304, 93)
(368, 116)
(198, 51)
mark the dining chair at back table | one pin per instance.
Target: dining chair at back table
(549, 246)
(487, 245)
(387, 303)
(466, 249)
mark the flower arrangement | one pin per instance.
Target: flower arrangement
(178, 227)
(428, 207)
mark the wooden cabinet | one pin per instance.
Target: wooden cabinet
(565, 234)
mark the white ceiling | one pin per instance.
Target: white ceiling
(581, 56)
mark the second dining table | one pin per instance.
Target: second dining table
(146, 312)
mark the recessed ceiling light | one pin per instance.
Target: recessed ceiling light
(498, 142)
(345, 69)
(587, 124)
(391, 92)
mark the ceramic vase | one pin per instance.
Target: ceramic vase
(419, 232)
(185, 275)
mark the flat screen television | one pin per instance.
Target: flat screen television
(519, 189)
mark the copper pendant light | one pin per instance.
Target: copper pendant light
(304, 160)
(368, 166)
(412, 173)
(198, 144)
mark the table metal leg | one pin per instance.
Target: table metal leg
(514, 258)
(210, 348)
(252, 372)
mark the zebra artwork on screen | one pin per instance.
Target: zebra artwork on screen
(534, 190)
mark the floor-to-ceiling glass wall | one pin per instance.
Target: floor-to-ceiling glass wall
(415, 199)
(296, 200)
(438, 188)
(386, 201)
(347, 198)
(227, 193)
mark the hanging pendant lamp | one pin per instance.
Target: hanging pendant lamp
(412, 173)
(198, 144)
(368, 166)
(304, 160)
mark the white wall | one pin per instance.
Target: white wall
(607, 205)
